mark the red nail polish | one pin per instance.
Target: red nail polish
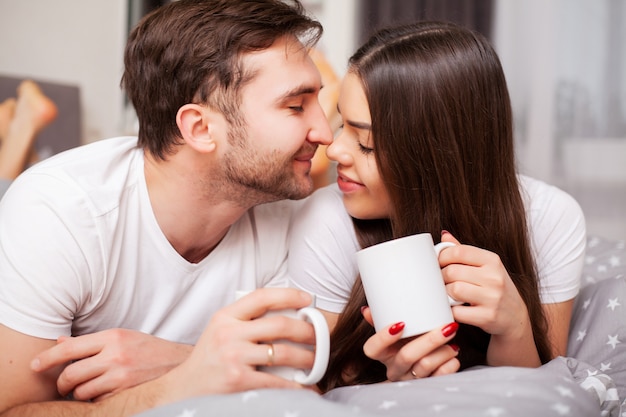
(454, 347)
(450, 329)
(396, 328)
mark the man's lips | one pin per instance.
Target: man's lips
(305, 157)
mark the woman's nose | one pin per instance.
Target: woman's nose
(337, 150)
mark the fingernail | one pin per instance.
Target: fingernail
(443, 232)
(450, 329)
(396, 328)
(35, 363)
(454, 347)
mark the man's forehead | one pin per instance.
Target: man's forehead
(286, 66)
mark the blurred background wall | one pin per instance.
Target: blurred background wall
(565, 62)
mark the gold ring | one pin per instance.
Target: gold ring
(414, 374)
(270, 354)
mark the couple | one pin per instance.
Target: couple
(138, 246)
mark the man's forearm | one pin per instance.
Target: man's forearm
(51, 409)
(126, 403)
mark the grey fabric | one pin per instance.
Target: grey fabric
(598, 328)
(554, 389)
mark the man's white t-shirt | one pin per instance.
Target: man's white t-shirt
(81, 251)
(323, 244)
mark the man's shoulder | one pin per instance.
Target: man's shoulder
(103, 150)
(96, 174)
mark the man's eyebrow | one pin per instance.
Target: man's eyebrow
(297, 91)
(355, 124)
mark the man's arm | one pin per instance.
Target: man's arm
(24, 392)
(109, 361)
(19, 384)
(224, 360)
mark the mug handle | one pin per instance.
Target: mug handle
(322, 347)
(438, 248)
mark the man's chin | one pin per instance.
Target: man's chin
(305, 190)
(296, 191)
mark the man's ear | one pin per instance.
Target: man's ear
(194, 123)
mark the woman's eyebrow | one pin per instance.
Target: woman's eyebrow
(355, 124)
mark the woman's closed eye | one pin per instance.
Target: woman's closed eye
(364, 149)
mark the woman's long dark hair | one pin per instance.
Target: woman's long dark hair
(443, 133)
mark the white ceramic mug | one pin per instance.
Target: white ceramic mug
(403, 283)
(322, 344)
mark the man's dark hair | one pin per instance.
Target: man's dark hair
(190, 51)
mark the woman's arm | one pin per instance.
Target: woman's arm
(558, 234)
(478, 278)
(559, 316)
(516, 348)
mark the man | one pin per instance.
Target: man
(156, 234)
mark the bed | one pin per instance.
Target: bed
(590, 381)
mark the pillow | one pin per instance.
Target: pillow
(598, 328)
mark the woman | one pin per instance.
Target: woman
(21, 119)
(427, 146)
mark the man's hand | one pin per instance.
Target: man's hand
(234, 344)
(109, 361)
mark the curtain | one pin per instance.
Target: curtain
(565, 62)
(474, 14)
(139, 8)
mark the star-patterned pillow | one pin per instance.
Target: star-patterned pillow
(598, 328)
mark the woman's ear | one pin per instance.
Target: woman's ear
(194, 123)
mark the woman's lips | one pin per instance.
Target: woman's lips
(346, 185)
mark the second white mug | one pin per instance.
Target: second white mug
(403, 283)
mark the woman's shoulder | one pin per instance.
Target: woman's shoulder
(541, 198)
(323, 214)
(324, 202)
(558, 233)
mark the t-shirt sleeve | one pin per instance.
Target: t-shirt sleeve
(42, 258)
(322, 249)
(558, 234)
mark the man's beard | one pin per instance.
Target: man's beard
(261, 178)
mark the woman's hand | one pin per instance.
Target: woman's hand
(478, 278)
(423, 356)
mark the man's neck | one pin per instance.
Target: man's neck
(192, 222)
